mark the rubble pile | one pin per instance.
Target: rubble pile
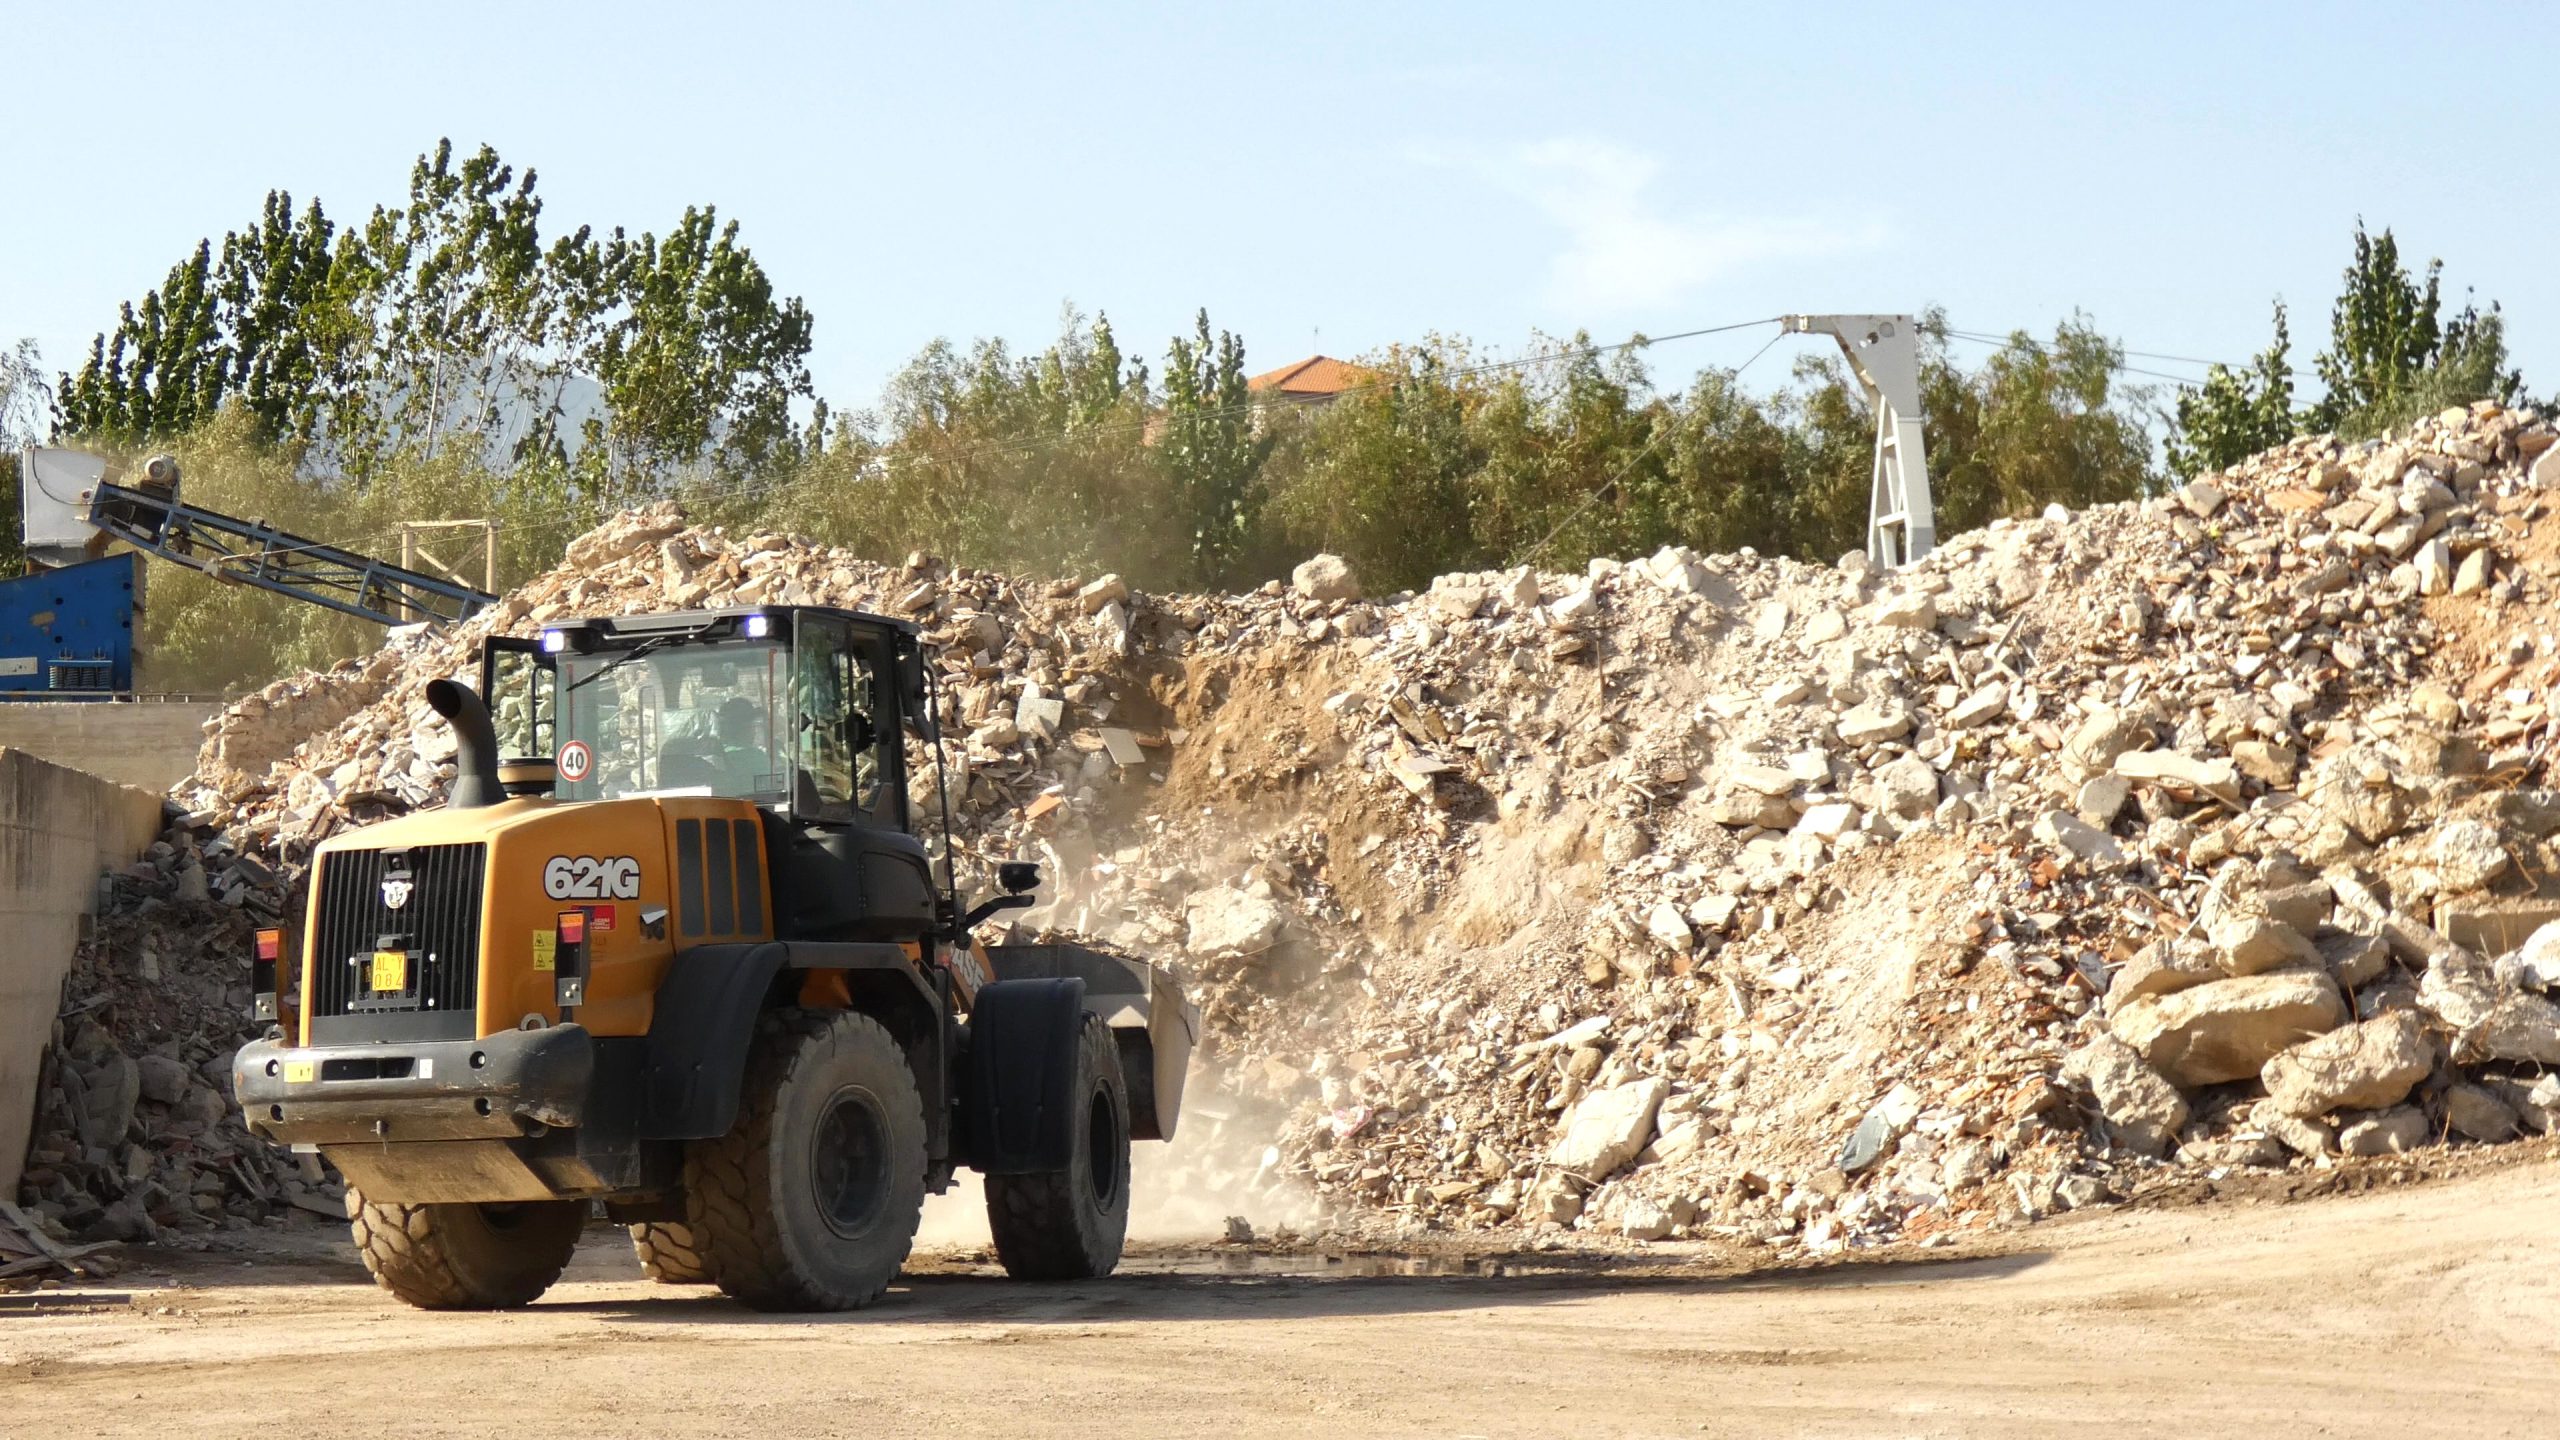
(1807, 905)
(136, 1138)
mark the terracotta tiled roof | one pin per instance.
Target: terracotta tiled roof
(1317, 375)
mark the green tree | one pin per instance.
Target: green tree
(698, 358)
(2236, 413)
(446, 322)
(1212, 452)
(2393, 356)
(164, 367)
(26, 403)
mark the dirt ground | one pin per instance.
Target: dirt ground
(2424, 1310)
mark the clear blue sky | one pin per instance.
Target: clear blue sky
(1338, 177)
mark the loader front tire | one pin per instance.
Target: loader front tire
(810, 1202)
(1069, 1224)
(464, 1256)
(670, 1254)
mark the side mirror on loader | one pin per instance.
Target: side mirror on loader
(1018, 879)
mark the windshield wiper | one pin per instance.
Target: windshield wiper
(645, 647)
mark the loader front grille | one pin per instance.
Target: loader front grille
(435, 927)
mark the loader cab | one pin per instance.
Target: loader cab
(801, 711)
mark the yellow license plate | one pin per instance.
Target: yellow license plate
(299, 1071)
(390, 970)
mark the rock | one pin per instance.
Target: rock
(2365, 1066)
(2374, 813)
(2476, 1113)
(1908, 787)
(1038, 714)
(1986, 704)
(163, 1080)
(1885, 1122)
(2271, 764)
(2100, 737)
(2080, 1192)
(2143, 1111)
(1556, 1198)
(2162, 968)
(2391, 1132)
(2355, 961)
(2472, 576)
(2495, 924)
(2467, 854)
(2307, 1138)
(1669, 928)
(2416, 943)
(1105, 591)
(2535, 965)
(2201, 497)
(1763, 779)
(1829, 821)
(1907, 612)
(2252, 944)
(2228, 1029)
(1638, 1218)
(2304, 907)
(2460, 989)
(2434, 564)
(1606, 1128)
(2217, 778)
(1872, 724)
(2102, 798)
(2066, 831)
(1743, 807)
(114, 1086)
(2536, 1101)
(1227, 921)
(2522, 1028)
(1328, 577)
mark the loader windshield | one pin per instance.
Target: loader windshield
(684, 719)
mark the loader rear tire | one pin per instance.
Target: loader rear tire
(670, 1254)
(463, 1256)
(1069, 1224)
(810, 1202)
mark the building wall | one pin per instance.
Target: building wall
(151, 745)
(59, 830)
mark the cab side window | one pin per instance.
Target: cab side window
(842, 760)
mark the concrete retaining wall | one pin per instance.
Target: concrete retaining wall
(151, 744)
(59, 830)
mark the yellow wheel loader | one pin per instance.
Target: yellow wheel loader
(672, 945)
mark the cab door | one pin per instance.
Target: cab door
(520, 683)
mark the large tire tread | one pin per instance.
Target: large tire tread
(729, 1200)
(1043, 1227)
(670, 1254)
(438, 1257)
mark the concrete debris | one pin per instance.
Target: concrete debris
(2103, 845)
(2144, 1113)
(2366, 1066)
(2228, 1029)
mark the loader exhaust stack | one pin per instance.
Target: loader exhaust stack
(475, 746)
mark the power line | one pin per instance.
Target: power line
(1633, 461)
(1987, 337)
(1029, 444)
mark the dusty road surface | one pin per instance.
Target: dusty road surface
(2430, 1310)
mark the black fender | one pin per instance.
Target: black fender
(1017, 1100)
(705, 1018)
